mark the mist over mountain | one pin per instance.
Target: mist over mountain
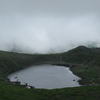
(48, 26)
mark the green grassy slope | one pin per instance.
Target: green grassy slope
(89, 70)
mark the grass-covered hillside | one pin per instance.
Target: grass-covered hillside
(87, 66)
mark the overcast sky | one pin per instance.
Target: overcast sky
(45, 26)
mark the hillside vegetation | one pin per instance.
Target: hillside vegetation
(88, 69)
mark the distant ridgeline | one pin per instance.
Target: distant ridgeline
(10, 61)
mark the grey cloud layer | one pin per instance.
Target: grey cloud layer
(49, 6)
(41, 26)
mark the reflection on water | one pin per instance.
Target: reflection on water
(46, 76)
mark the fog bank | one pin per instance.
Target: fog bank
(48, 27)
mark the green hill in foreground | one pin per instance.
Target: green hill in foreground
(86, 65)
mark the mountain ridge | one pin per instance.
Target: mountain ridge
(89, 72)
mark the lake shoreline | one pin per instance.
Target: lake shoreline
(16, 81)
(70, 65)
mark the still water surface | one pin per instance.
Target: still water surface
(46, 76)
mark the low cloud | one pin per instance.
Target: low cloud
(48, 30)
